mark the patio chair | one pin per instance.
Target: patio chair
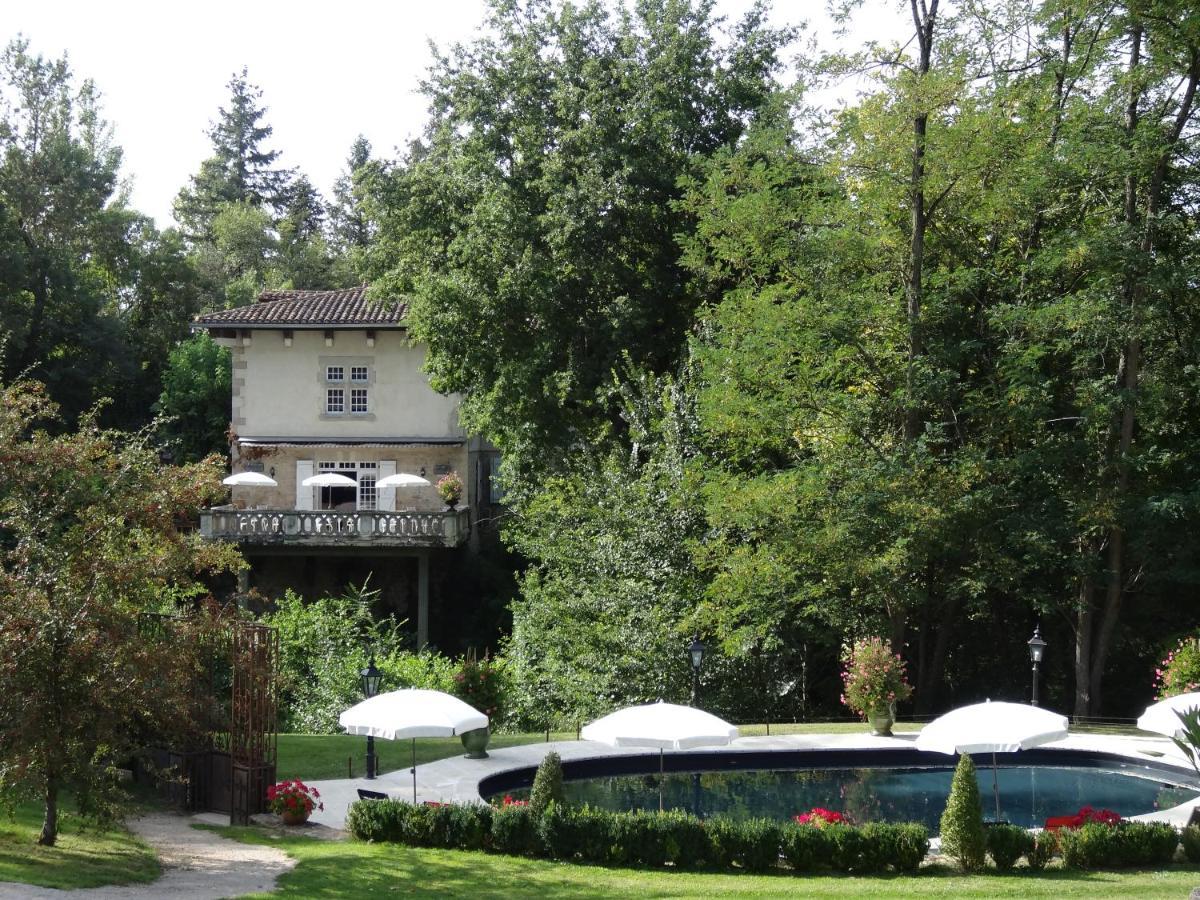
(364, 794)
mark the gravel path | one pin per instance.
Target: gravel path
(197, 865)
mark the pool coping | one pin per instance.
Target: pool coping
(457, 779)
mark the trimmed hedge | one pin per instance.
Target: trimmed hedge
(585, 834)
(1126, 845)
(1007, 844)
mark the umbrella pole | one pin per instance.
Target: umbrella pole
(414, 770)
(660, 779)
(995, 786)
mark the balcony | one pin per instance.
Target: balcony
(325, 528)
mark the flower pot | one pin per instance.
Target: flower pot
(475, 742)
(294, 817)
(882, 718)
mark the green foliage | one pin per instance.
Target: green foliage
(90, 543)
(874, 677)
(1008, 843)
(962, 823)
(515, 831)
(1126, 845)
(1187, 738)
(1043, 849)
(1179, 672)
(1190, 837)
(195, 399)
(547, 784)
(483, 684)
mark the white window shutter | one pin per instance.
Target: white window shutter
(387, 495)
(304, 495)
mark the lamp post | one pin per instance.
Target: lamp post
(696, 651)
(371, 677)
(1037, 647)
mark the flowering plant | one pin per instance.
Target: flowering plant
(477, 683)
(450, 487)
(509, 801)
(873, 677)
(1179, 672)
(820, 817)
(293, 797)
(1086, 814)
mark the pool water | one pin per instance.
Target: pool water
(1028, 795)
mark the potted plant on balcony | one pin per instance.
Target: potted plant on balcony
(449, 488)
(874, 680)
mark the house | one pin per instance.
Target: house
(328, 382)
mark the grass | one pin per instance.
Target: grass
(352, 869)
(83, 857)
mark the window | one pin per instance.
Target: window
(358, 400)
(335, 400)
(368, 494)
(335, 373)
(358, 374)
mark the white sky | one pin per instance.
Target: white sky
(328, 71)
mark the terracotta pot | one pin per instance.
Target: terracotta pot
(475, 742)
(294, 817)
(882, 719)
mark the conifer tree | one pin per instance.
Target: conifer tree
(962, 822)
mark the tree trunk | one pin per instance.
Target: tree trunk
(1083, 648)
(50, 823)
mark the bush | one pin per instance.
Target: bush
(1179, 672)
(480, 683)
(911, 845)
(547, 784)
(515, 831)
(469, 826)
(1045, 845)
(805, 847)
(1007, 844)
(962, 822)
(685, 839)
(1128, 845)
(1191, 843)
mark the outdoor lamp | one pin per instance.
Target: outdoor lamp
(1037, 648)
(696, 651)
(371, 677)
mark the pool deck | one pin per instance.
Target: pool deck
(456, 779)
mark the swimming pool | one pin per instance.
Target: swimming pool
(869, 785)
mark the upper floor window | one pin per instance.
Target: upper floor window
(358, 374)
(358, 400)
(335, 373)
(335, 400)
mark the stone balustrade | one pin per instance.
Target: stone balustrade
(447, 528)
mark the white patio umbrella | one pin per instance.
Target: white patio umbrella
(328, 479)
(403, 479)
(666, 726)
(992, 728)
(411, 713)
(250, 479)
(1162, 718)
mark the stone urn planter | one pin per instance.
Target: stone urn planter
(475, 742)
(882, 718)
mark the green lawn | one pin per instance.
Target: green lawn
(81, 858)
(352, 869)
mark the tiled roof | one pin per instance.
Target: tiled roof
(277, 309)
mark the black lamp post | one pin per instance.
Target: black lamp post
(696, 651)
(371, 677)
(1037, 647)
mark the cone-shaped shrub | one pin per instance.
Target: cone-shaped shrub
(962, 822)
(547, 784)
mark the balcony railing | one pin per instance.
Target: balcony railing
(326, 528)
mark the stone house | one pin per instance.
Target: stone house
(325, 381)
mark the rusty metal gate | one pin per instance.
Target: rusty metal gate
(252, 737)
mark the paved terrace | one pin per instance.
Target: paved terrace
(456, 779)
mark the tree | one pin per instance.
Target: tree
(89, 541)
(962, 822)
(532, 229)
(304, 260)
(195, 399)
(350, 226)
(241, 169)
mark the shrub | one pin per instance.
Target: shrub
(752, 844)
(1191, 843)
(1130, 844)
(1007, 844)
(469, 826)
(514, 831)
(480, 683)
(962, 822)
(1179, 672)
(873, 677)
(685, 839)
(805, 847)
(547, 784)
(910, 847)
(1045, 845)
(845, 847)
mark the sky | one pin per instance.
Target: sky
(328, 71)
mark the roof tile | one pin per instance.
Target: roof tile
(275, 309)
